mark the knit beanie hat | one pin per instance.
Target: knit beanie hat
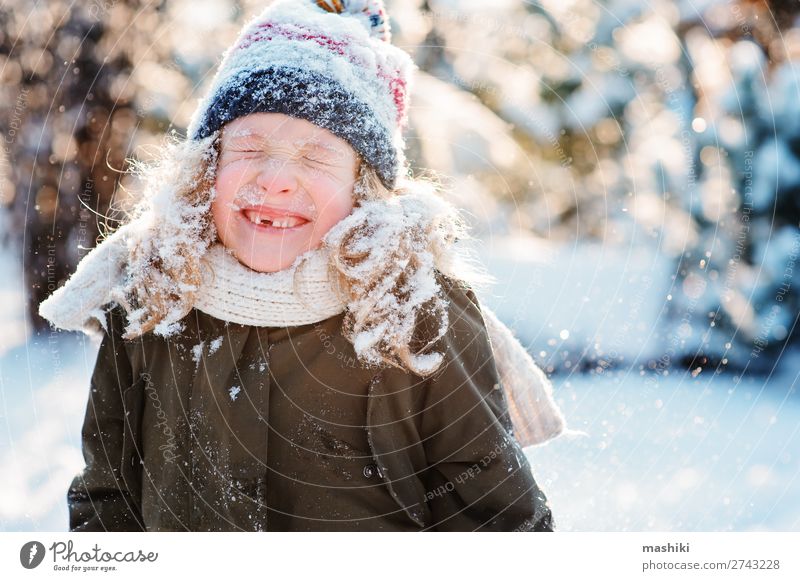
(329, 62)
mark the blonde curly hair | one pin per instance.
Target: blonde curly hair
(384, 255)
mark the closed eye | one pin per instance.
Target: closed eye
(315, 159)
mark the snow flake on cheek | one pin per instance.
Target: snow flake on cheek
(234, 392)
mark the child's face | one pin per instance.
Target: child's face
(273, 167)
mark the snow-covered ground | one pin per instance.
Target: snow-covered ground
(681, 453)
(671, 453)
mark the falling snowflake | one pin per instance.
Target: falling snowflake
(234, 392)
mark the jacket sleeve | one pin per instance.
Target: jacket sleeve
(98, 498)
(478, 477)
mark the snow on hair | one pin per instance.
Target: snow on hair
(175, 229)
(386, 254)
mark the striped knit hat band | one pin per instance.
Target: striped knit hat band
(329, 62)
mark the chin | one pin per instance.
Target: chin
(274, 257)
(265, 265)
(274, 263)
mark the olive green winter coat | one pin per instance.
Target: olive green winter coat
(235, 427)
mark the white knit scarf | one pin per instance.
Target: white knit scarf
(297, 295)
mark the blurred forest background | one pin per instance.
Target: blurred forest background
(632, 168)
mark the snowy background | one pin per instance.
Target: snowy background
(631, 170)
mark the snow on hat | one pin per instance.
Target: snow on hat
(330, 62)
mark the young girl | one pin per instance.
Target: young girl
(290, 338)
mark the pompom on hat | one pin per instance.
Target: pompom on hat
(330, 62)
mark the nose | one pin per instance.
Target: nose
(277, 176)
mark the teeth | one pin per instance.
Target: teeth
(287, 222)
(254, 217)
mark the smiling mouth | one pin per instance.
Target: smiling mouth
(265, 222)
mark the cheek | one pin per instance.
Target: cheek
(221, 211)
(228, 181)
(333, 205)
